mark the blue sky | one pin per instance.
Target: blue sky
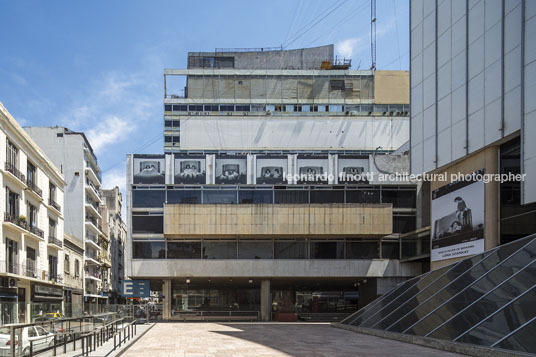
(97, 66)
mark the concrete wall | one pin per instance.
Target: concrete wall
(471, 86)
(298, 89)
(258, 268)
(304, 58)
(391, 87)
(485, 159)
(293, 133)
(67, 153)
(314, 220)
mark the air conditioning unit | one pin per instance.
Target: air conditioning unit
(13, 282)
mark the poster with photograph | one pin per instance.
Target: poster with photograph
(312, 169)
(270, 169)
(231, 169)
(458, 220)
(149, 169)
(190, 169)
(353, 169)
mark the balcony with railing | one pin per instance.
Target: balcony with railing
(94, 275)
(21, 222)
(12, 168)
(92, 207)
(55, 241)
(93, 189)
(94, 259)
(33, 186)
(54, 204)
(90, 238)
(55, 277)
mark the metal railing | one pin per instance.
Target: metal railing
(54, 204)
(12, 168)
(56, 241)
(90, 184)
(72, 334)
(92, 238)
(16, 219)
(38, 232)
(33, 186)
(58, 278)
(216, 315)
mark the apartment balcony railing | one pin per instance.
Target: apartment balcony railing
(29, 270)
(58, 278)
(16, 219)
(33, 186)
(90, 184)
(92, 238)
(56, 241)
(38, 232)
(10, 167)
(92, 220)
(93, 274)
(54, 204)
(93, 204)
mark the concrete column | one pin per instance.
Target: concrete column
(266, 301)
(166, 291)
(368, 291)
(170, 176)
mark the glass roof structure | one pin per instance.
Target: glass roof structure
(488, 299)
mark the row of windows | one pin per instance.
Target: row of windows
(240, 249)
(375, 194)
(289, 108)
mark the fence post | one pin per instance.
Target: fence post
(82, 345)
(94, 340)
(74, 341)
(54, 351)
(31, 348)
(12, 339)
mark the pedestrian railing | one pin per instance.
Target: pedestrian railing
(216, 315)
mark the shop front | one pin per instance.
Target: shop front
(46, 299)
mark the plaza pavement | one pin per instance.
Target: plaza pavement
(267, 339)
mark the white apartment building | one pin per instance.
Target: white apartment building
(72, 152)
(31, 258)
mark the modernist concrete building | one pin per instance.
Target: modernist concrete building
(473, 76)
(72, 153)
(31, 258)
(259, 209)
(283, 100)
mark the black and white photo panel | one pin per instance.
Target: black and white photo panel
(231, 169)
(149, 169)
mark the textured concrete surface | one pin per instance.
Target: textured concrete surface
(267, 339)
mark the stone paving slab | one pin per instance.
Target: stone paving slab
(267, 339)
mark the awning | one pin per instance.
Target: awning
(47, 298)
(7, 296)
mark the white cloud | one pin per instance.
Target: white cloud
(110, 131)
(346, 48)
(115, 177)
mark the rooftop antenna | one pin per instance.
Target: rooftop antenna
(373, 34)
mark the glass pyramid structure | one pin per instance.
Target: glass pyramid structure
(488, 299)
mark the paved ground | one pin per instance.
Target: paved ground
(266, 339)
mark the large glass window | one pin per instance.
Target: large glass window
(184, 250)
(290, 250)
(255, 196)
(291, 196)
(327, 250)
(148, 198)
(184, 196)
(400, 198)
(362, 250)
(147, 224)
(149, 250)
(219, 250)
(390, 250)
(363, 196)
(327, 196)
(517, 220)
(404, 224)
(219, 196)
(255, 250)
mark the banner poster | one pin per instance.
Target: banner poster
(458, 220)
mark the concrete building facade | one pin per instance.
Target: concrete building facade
(72, 153)
(73, 272)
(472, 83)
(31, 258)
(117, 232)
(257, 209)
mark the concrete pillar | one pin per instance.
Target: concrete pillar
(266, 301)
(166, 291)
(368, 291)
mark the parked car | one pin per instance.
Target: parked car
(37, 336)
